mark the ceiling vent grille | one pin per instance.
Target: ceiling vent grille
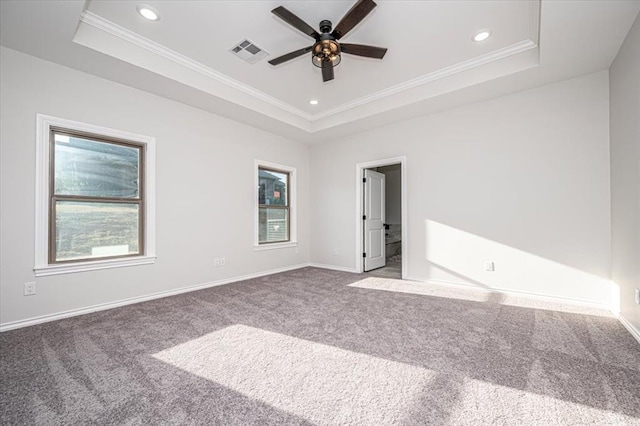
(248, 51)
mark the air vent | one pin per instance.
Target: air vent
(248, 51)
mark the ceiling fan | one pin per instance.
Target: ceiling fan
(326, 51)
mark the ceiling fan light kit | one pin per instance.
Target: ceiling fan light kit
(327, 51)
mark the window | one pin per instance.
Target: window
(96, 197)
(275, 219)
(95, 208)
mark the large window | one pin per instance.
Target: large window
(94, 207)
(275, 216)
(97, 197)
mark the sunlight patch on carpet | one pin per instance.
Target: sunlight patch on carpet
(476, 294)
(481, 402)
(313, 381)
(327, 385)
(421, 288)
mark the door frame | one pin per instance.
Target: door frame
(359, 210)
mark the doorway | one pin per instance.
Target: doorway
(381, 218)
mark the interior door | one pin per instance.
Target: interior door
(373, 218)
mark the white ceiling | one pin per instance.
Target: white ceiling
(432, 62)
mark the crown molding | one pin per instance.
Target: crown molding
(136, 39)
(496, 55)
(109, 27)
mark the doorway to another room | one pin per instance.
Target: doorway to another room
(382, 218)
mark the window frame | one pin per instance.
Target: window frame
(54, 198)
(286, 207)
(291, 205)
(45, 263)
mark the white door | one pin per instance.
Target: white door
(373, 218)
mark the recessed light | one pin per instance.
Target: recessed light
(482, 35)
(148, 12)
(313, 102)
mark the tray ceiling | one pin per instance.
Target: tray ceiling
(431, 60)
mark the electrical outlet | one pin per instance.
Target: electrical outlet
(29, 289)
(489, 266)
(219, 261)
(638, 296)
(223, 261)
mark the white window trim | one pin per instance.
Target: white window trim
(42, 266)
(293, 221)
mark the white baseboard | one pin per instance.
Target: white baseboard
(524, 294)
(630, 328)
(333, 267)
(104, 306)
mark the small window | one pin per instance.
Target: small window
(94, 197)
(273, 206)
(275, 212)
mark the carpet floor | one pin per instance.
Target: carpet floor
(319, 347)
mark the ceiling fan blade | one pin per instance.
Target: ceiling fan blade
(291, 55)
(327, 70)
(353, 17)
(291, 19)
(363, 50)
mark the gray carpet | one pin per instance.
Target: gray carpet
(321, 347)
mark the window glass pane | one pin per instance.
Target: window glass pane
(95, 169)
(273, 225)
(272, 188)
(86, 229)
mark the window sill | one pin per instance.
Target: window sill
(70, 268)
(274, 246)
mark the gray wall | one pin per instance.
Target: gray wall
(521, 180)
(205, 189)
(625, 173)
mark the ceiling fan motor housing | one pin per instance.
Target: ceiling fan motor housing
(325, 26)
